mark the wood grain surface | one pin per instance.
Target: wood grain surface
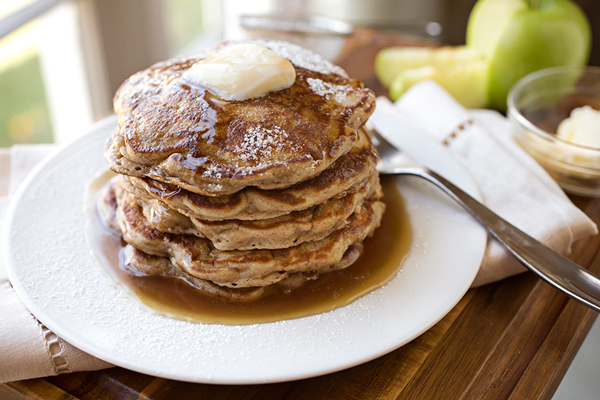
(512, 339)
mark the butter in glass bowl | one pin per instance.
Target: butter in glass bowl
(552, 113)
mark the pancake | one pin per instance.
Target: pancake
(312, 224)
(345, 176)
(242, 198)
(138, 262)
(247, 268)
(106, 204)
(174, 132)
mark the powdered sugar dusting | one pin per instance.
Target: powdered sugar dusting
(302, 57)
(328, 90)
(212, 171)
(260, 142)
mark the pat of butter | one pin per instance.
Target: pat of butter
(242, 71)
(582, 127)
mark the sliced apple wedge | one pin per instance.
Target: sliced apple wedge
(394, 60)
(466, 81)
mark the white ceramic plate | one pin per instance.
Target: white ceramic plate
(53, 271)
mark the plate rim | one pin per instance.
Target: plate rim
(98, 129)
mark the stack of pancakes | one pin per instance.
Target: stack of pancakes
(243, 197)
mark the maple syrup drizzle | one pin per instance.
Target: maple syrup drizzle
(380, 261)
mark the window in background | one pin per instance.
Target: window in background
(64, 71)
(24, 114)
(191, 25)
(58, 72)
(183, 22)
(44, 87)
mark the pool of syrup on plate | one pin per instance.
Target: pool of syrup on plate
(172, 297)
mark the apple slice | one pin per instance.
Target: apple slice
(466, 81)
(394, 60)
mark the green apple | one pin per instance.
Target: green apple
(392, 61)
(467, 81)
(521, 36)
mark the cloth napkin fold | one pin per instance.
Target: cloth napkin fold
(511, 183)
(27, 348)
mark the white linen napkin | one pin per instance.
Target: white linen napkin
(512, 184)
(27, 348)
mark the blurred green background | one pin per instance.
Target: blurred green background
(24, 116)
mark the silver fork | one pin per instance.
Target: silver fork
(549, 265)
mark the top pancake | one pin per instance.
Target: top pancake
(179, 133)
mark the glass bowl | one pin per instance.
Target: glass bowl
(537, 104)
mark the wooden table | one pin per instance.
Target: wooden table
(513, 339)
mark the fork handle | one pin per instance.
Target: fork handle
(549, 265)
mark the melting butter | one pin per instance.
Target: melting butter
(241, 72)
(582, 127)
